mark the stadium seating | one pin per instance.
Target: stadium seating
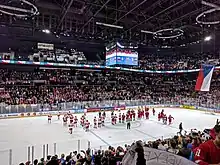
(54, 86)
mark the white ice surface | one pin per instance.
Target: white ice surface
(18, 134)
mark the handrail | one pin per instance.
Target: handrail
(96, 67)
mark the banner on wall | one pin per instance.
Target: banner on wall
(96, 109)
(122, 107)
(189, 107)
(93, 109)
(78, 111)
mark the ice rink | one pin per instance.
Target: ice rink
(18, 134)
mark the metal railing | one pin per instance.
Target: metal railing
(30, 153)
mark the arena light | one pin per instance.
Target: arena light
(177, 30)
(109, 25)
(148, 32)
(208, 38)
(9, 10)
(203, 14)
(159, 33)
(210, 4)
(46, 31)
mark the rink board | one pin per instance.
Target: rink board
(97, 109)
(75, 111)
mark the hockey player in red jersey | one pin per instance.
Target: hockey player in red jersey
(100, 113)
(71, 125)
(162, 113)
(104, 114)
(147, 114)
(164, 119)
(87, 124)
(58, 115)
(49, 117)
(127, 117)
(153, 111)
(65, 120)
(170, 119)
(123, 118)
(139, 114)
(82, 121)
(100, 122)
(115, 119)
(208, 153)
(134, 115)
(71, 118)
(112, 114)
(130, 115)
(119, 117)
(75, 121)
(95, 122)
(142, 113)
(103, 121)
(159, 116)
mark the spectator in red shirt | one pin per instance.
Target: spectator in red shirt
(208, 153)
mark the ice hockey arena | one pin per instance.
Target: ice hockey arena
(114, 82)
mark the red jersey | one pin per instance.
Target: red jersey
(87, 124)
(119, 117)
(207, 153)
(64, 119)
(100, 120)
(147, 114)
(134, 114)
(159, 115)
(170, 118)
(123, 117)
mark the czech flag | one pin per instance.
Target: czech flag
(204, 79)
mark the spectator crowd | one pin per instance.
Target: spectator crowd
(57, 86)
(175, 61)
(20, 85)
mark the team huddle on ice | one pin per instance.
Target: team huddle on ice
(99, 121)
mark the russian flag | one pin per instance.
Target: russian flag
(204, 79)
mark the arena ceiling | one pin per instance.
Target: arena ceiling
(84, 21)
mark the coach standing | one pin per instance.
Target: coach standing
(128, 125)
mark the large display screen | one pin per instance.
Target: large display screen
(121, 56)
(111, 56)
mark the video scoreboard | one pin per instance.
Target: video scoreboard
(118, 54)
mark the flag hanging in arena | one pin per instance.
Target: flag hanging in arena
(204, 79)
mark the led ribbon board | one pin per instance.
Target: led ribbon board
(21, 12)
